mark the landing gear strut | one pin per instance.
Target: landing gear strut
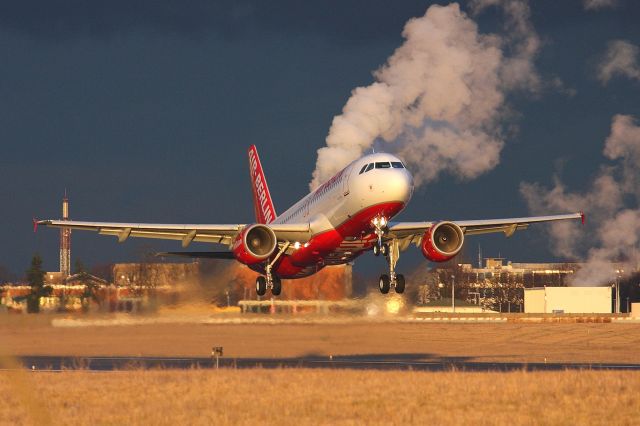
(392, 253)
(270, 281)
(393, 279)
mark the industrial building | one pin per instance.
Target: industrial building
(496, 286)
(568, 300)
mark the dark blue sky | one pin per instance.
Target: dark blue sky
(144, 110)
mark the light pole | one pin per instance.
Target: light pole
(453, 293)
(619, 272)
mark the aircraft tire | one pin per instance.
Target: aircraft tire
(384, 283)
(277, 286)
(384, 250)
(399, 284)
(261, 286)
(376, 250)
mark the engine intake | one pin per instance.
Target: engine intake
(255, 244)
(442, 241)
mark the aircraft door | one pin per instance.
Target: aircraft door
(345, 180)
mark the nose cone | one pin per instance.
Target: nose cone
(397, 185)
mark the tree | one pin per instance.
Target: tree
(78, 267)
(35, 278)
(90, 291)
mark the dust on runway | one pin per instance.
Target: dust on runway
(524, 343)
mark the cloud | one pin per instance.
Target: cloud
(621, 58)
(439, 100)
(624, 144)
(520, 38)
(598, 4)
(612, 204)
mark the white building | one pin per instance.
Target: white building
(568, 300)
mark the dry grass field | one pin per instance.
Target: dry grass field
(331, 397)
(504, 342)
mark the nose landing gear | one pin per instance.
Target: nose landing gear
(392, 253)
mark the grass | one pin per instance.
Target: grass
(506, 342)
(319, 397)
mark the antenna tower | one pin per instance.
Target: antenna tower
(65, 240)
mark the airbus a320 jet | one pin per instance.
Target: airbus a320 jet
(348, 215)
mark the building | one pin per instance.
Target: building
(155, 275)
(227, 282)
(497, 286)
(444, 305)
(568, 300)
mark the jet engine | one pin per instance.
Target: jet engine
(254, 244)
(442, 241)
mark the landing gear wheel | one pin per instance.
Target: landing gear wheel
(261, 286)
(376, 250)
(384, 283)
(277, 286)
(384, 250)
(399, 284)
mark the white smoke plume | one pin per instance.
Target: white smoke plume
(612, 205)
(599, 4)
(439, 101)
(621, 58)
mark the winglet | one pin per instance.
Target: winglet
(35, 224)
(583, 217)
(265, 211)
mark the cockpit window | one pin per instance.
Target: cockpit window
(397, 165)
(362, 169)
(369, 167)
(383, 165)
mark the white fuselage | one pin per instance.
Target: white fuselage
(350, 191)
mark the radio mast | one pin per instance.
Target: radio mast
(65, 240)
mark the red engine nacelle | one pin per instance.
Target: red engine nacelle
(442, 241)
(254, 244)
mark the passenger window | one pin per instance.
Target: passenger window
(369, 167)
(383, 165)
(397, 165)
(362, 169)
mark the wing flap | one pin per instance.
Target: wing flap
(508, 226)
(220, 234)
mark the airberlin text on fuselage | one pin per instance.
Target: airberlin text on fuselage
(261, 192)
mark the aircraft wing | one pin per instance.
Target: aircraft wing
(221, 234)
(413, 231)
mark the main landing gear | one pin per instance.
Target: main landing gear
(392, 253)
(262, 285)
(269, 280)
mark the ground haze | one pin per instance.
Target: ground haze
(504, 342)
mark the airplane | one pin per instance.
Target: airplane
(348, 215)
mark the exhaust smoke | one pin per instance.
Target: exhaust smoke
(612, 203)
(439, 100)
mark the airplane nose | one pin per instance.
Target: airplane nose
(400, 185)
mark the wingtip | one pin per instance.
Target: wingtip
(583, 217)
(35, 224)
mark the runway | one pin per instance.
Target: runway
(356, 362)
